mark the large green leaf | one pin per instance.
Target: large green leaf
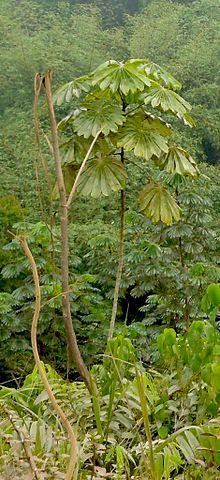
(169, 101)
(71, 89)
(145, 135)
(102, 175)
(187, 119)
(211, 299)
(160, 74)
(98, 115)
(158, 205)
(125, 77)
(177, 160)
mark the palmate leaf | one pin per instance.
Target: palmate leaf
(157, 124)
(74, 150)
(145, 135)
(73, 153)
(71, 89)
(102, 175)
(168, 100)
(158, 205)
(159, 73)
(69, 119)
(125, 77)
(98, 115)
(177, 160)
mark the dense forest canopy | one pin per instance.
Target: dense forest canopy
(118, 202)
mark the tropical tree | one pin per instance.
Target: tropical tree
(120, 111)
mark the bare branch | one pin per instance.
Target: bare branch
(38, 81)
(72, 193)
(71, 336)
(41, 370)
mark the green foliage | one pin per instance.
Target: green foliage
(163, 283)
(193, 359)
(178, 161)
(159, 205)
(102, 176)
(122, 414)
(168, 100)
(17, 305)
(11, 211)
(144, 135)
(170, 283)
(70, 40)
(99, 115)
(121, 77)
(116, 90)
(34, 37)
(211, 300)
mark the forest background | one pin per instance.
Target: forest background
(166, 346)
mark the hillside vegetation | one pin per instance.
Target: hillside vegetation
(109, 254)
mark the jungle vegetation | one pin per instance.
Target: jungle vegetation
(109, 255)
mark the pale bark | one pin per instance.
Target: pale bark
(82, 166)
(71, 336)
(41, 370)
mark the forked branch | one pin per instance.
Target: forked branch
(71, 336)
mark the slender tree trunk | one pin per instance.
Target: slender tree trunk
(71, 336)
(120, 261)
(42, 373)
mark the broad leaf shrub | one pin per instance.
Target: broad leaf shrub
(192, 364)
(166, 272)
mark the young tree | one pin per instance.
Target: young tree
(119, 110)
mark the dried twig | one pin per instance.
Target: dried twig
(38, 81)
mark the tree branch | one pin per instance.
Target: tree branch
(42, 373)
(72, 193)
(37, 89)
(71, 336)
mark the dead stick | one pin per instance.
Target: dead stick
(42, 373)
